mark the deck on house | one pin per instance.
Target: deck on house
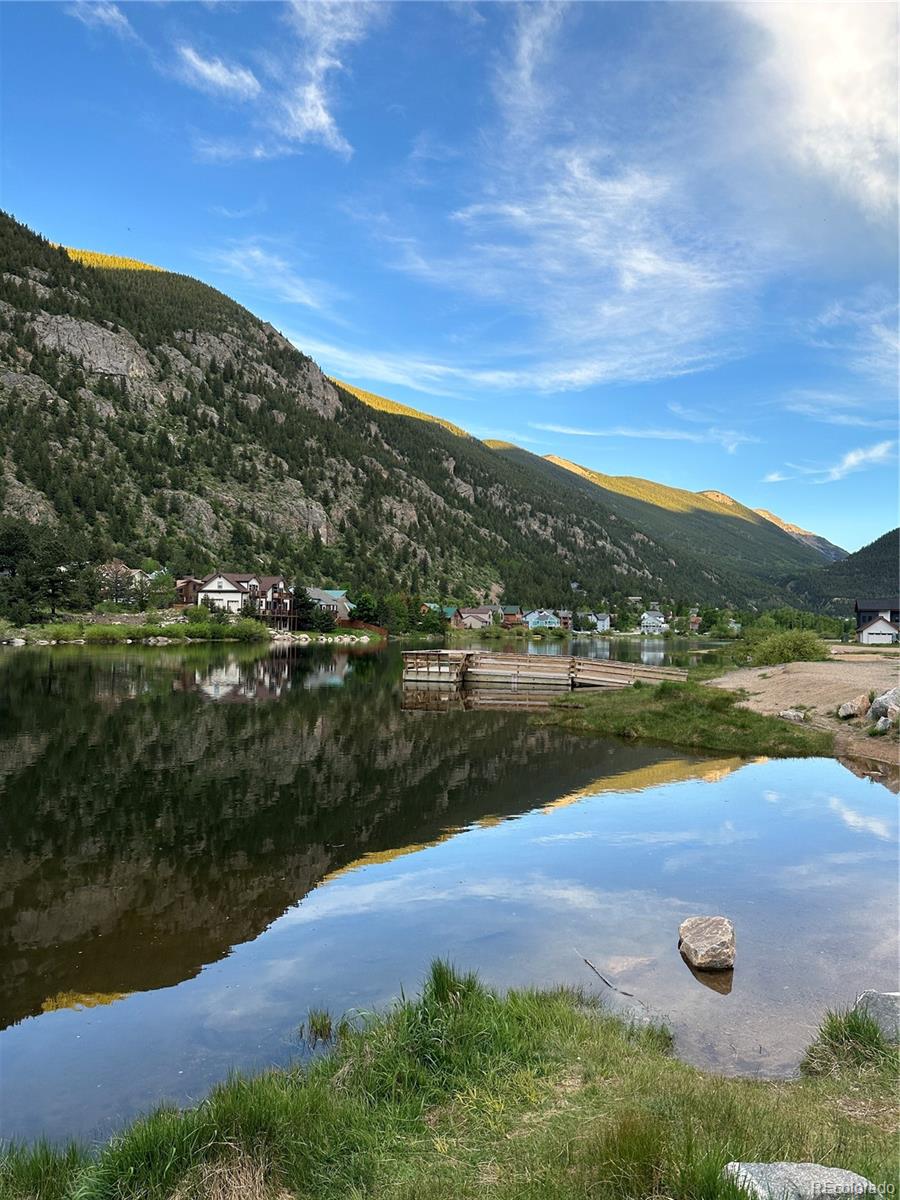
(482, 668)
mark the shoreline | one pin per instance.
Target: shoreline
(465, 1091)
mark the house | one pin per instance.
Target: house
(119, 580)
(233, 591)
(542, 618)
(565, 617)
(477, 618)
(601, 622)
(452, 614)
(511, 616)
(333, 600)
(879, 632)
(653, 621)
(878, 620)
(694, 622)
(186, 589)
(874, 617)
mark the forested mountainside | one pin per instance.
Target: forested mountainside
(155, 417)
(746, 547)
(872, 571)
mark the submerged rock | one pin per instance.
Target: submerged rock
(884, 1009)
(854, 708)
(707, 943)
(797, 1181)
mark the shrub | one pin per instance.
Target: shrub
(793, 645)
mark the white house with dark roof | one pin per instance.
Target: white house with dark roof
(653, 621)
(878, 621)
(233, 590)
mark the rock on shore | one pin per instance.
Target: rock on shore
(797, 1181)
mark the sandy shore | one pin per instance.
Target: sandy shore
(819, 687)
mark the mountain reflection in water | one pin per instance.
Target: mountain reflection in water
(157, 791)
(201, 843)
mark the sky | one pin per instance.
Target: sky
(655, 239)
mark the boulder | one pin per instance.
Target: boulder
(792, 714)
(884, 1009)
(707, 943)
(882, 703)
(797, 1181)
(17, 641)
(854, 708)
(882, 725)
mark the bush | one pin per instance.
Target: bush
(793, 645)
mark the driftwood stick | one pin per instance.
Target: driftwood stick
(630, 995)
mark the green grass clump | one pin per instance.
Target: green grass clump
(464, 1093)
(849, 1038)
(686, 714)
(791, 645)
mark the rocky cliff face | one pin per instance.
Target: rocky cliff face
(164, 420)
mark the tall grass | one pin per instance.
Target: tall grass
(464, 1093)
(687, 714)
(243, 630)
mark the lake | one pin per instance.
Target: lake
(200, 844)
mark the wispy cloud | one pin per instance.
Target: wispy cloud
(859, 822)
(325, 29)
(852, 461)
(836, 408)
(102, 14)
(214, 75)
(861, 334)
(267, 270)
(238, 214)
(729, 439)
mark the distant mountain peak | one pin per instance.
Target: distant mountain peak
(828, 550)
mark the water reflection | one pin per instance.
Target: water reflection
(200, 844)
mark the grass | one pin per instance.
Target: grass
(462, 1093)
(92, 258)
(397, 409)
(243, 630)
(688, 715)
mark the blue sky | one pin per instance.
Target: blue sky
(657, 239)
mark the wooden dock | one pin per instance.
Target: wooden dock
(480, 669)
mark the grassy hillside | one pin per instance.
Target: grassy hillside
(745, 547)
(396, 409)
(872, 571)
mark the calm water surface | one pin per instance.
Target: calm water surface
(198, 845)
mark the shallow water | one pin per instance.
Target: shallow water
(199, 845)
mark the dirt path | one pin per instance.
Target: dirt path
(819, 687)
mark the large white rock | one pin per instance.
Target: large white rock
(792, 714)
(707, 943)
(797, 1181)
(884, 1009)
(882, 703)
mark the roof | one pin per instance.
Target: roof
(877, 621)
(654, 614)
(240, 579)
(876, 605)
(449, 609)
(510, 610)
(335, 593)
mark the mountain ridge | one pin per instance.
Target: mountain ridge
(159, 418)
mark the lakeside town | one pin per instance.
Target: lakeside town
(282, 604)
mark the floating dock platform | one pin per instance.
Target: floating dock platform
(482, 669)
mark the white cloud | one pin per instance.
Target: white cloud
(859, 821)
(830, 79)
(858, 460)
(852, 461)
(268, 271)
(102, 14)
(214, 75)
(729, 439)
(325, 29)
(836, 408)
(862, 335)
